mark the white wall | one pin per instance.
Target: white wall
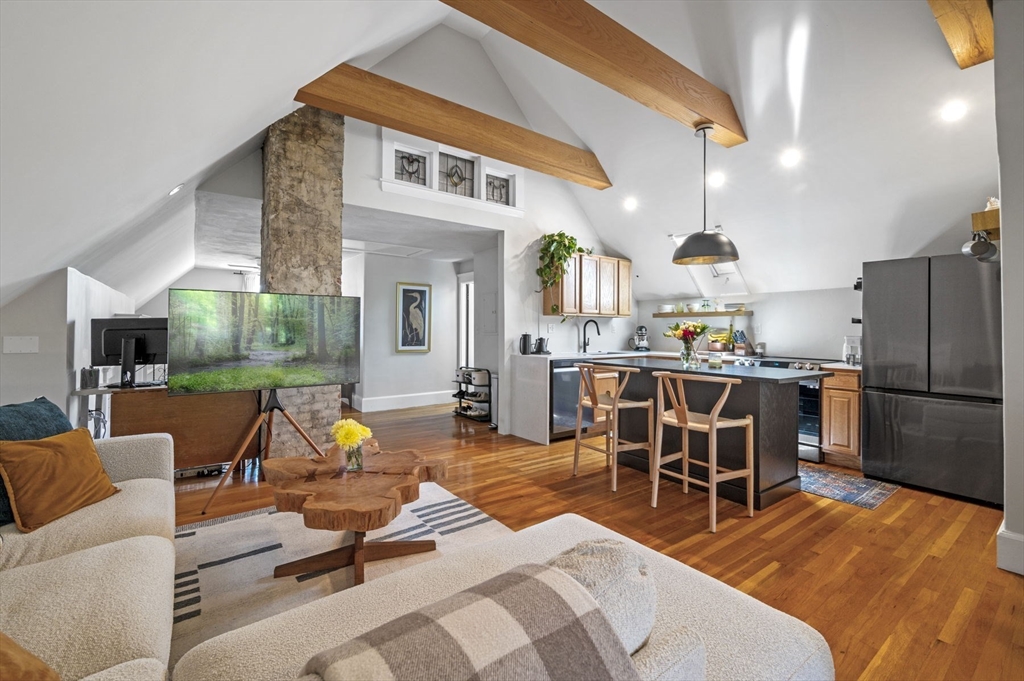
(488, 275)
(40, 311)
(807, 324)
(199, 278)
(1009, 85)
(244, 178)
(58, 310)
(393, 380)
(353, 272)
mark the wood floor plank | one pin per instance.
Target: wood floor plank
(909, 590)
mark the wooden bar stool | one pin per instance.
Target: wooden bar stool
(681, 417)
(596, 386)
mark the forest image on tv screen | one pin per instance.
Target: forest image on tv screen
(220, 341)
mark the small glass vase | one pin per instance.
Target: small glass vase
(688, 356)
(354, 458)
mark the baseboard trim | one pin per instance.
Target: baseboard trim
(1009, 550)
(388, 402)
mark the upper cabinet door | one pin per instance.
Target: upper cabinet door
(608, 278)
(895, 329)
(625, 288)
(589, 291)
(966, 328)
(570, 286)
(564, 296)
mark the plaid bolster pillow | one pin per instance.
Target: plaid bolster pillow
(533, 622)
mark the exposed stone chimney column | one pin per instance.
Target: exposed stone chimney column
(301, 244)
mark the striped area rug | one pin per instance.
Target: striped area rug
(225, 567)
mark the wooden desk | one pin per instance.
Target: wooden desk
(207, 429)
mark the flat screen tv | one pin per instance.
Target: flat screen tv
(227, 341)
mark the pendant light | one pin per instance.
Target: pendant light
(705, 247)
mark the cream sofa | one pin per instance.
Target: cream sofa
(703, 629)
(92, 593)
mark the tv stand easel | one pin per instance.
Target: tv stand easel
(266, 416)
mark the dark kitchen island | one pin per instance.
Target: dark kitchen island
(771, 396)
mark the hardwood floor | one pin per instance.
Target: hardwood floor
(907, 591)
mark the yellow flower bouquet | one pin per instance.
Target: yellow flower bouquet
(350, 436)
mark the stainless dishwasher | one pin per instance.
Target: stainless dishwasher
(565, 392)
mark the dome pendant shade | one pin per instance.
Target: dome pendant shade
(705, 248)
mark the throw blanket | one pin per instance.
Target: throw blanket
(533, 622)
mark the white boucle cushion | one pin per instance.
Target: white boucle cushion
(617, 578)
(93, 609)
(145, 507)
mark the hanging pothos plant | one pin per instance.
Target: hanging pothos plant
(555, 251)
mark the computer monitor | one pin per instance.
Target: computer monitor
(127, 342)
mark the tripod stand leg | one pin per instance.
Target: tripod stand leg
(301, 432)
(266, 448)
(234, 462)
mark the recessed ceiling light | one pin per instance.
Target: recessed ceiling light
(176, 190)
(953, 111)
(716, 179)
(790, 157)
(630, 203)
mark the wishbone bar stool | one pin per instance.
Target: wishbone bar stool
(609, 404)
(679, 416)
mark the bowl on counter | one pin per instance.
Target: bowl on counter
(693, 307)
(665, 309)
(718, 347)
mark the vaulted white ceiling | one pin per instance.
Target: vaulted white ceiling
(107, 106)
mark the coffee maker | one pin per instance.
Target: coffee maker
(639, 340)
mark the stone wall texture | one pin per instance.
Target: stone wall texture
(301, 245)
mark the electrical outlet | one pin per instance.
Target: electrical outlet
(551, 328)
(757, 329)
(21, 345)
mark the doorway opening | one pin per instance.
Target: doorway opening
(466, 320)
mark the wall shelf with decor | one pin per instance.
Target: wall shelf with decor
(711, 313)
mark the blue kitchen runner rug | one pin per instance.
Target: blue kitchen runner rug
(849, 489)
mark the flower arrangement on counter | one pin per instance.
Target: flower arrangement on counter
(350, 436)
(689, 333)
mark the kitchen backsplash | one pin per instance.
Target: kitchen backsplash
(792, 324)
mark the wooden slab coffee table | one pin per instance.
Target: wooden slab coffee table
(331, 498)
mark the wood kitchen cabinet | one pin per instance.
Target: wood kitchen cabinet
(607, 286)
(564, 297)
(590, 288)
(593, 285)
(840, 419)
(625, 288)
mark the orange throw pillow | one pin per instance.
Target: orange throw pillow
(17, 664)
(47, 479)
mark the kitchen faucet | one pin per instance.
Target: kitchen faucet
(586, 341)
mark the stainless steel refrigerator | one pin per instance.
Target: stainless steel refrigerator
(932, 412)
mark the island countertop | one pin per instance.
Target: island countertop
(744, 373)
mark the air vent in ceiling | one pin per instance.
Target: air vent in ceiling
(384, 249)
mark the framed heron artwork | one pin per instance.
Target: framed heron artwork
(413, 321)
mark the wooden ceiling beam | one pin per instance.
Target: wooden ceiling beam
(588, 41)
(967, 25)
(351, 91)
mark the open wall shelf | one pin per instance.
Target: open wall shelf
(727, 313)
